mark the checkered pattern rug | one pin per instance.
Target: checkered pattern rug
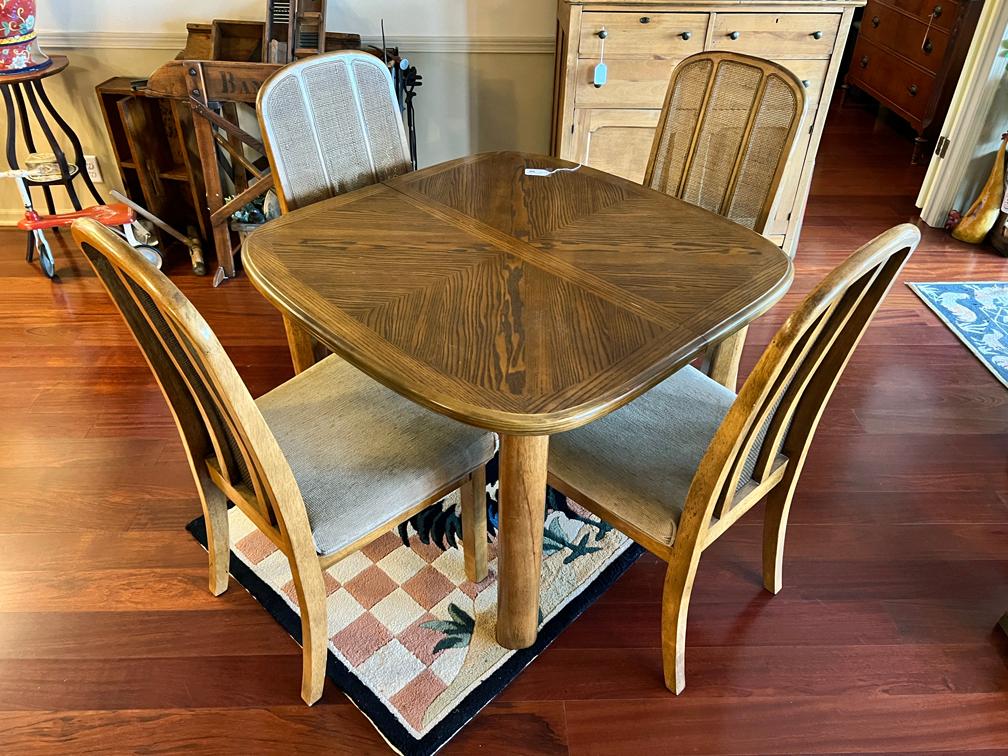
(411, 640)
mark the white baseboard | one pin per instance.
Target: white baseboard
(65, 40)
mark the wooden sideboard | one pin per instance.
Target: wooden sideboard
(909, 55)
(611, 127)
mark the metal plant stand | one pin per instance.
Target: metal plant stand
(22, 91)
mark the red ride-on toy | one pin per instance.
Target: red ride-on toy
(35, 224)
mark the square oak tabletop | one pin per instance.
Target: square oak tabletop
(522, 304)
(527, 305)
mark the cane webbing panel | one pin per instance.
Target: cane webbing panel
(727, 129)
(721, 132)
(684, 110)
(767, 147)
(332, 124)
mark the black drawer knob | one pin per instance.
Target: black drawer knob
(876, 21)
(806, 83)
(864, 61)
(603, 34)
(936, 13)
(928, 47)
(817, 35)
(686, 36)
(645, 19)
(734, 35)
(912, 90)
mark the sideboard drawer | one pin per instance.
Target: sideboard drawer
(910, 37)
(775, 36)
(642, 34)
(905, 86)
(812, 74)
(632, 83)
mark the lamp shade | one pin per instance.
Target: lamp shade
(19, 47)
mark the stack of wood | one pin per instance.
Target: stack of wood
(293, 29)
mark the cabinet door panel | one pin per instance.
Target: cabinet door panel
(615, 141)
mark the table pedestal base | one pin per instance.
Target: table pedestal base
(522, 504)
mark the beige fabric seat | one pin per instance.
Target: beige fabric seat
(361, 453)
(640, 460)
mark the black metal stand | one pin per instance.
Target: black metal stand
(23, 91)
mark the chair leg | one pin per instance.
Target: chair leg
(474, 526)
(215, 514)
(675, 606)
(775, 517)
(725, 360)
(314, 630)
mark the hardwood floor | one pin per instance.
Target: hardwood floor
(883, 639)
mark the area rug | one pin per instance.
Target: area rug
(411, 640)
(977, 312)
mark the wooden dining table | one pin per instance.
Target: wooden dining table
(524, 304)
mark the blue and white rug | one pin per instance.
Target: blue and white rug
(977, 313)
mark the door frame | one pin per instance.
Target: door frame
(982, 73)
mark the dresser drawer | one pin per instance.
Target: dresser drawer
(632, 83)
(910, 37)
(775, 36)
(812, 74)
(642, 35)
(644, 83)
(900, 84)
(945, 11)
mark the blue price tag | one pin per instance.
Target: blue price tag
(601, 74)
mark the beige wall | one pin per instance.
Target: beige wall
(469, 102)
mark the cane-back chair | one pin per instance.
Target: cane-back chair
(678, 466)
(723, 141)
(322, 464)
(330, 124)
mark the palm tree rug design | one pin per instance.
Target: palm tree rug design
(411, 640)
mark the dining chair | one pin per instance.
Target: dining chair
(322, 465)
(724, 137)
(330, 124)
(679, 465)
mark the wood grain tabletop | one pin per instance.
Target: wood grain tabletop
(523, 304)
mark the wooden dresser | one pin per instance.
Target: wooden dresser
(611, 127)
(909, 54)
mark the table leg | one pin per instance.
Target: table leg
(302, 345)
(522, 505)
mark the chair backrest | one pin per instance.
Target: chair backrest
(771, 424)
(725, 134)
(217, 418)
(331, 124)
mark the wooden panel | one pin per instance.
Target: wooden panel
(907, 36)
(781, 215)
(904, 86)
(632, 83)
(615, 141)
(663, 35)
(776, 36)
(812, 74)
(925, 10)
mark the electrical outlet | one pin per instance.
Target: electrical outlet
(94, 171)
(90, 161)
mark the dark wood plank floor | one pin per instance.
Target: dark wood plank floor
(882, 640)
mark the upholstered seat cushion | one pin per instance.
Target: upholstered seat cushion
(639, 461)
(361, 454)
